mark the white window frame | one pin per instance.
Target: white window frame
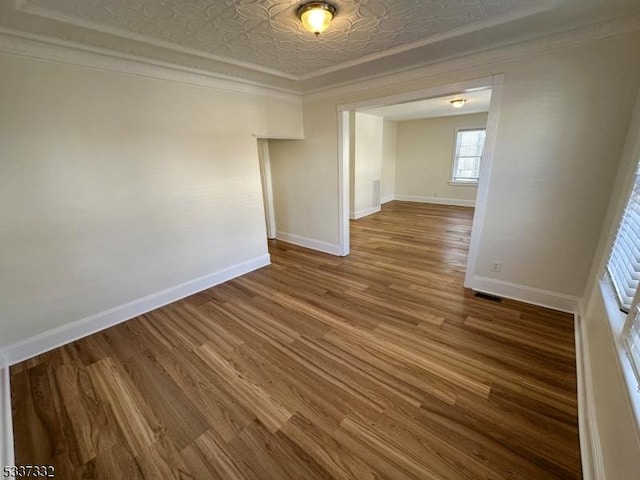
(623, 320)
(619, 321)
(454, 161)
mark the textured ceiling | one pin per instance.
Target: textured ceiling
(267, 33)
(261, 41)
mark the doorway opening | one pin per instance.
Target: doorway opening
(267, 187)
(368, 130)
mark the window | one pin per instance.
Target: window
(466, 162)
(623, 268)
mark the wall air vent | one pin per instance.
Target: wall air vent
(376, 193)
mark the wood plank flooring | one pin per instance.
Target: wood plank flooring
(379, 365)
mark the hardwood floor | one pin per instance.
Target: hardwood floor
(377, 365)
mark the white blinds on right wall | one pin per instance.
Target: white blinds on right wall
(624, 261)
(624, 271)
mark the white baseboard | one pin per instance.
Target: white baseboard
(439, 200)
(6, 434)
(309, 243)
(534, 296)
(70, 332)
(364, 212)
(56, 337)
(590, 449)
(387, 199)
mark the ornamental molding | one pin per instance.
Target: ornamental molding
(70, 53)
(45, 48)
(548, 44)
(266, 36)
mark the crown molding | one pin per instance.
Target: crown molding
(430, 40)
(500, 54)
(118, 32)
(49, 14)
(28, 45)
(51, 49)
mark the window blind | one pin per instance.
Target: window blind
(623, 268)
(624, 262)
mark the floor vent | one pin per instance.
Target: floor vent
(486, 296)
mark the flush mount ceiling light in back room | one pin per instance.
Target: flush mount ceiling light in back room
(458, 102)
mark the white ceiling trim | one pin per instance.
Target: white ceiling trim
(88, 24)
(62, 51)
(50, 14)
(433, 39)
(550, 43)
(70, 53)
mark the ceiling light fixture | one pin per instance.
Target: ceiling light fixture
(458, 102)
(316, 16)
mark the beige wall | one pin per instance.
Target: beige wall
(305, 177)
(558, 133)
(424, 157)
(367, 160)
(388, 178)
(115, 187)
(304, 189)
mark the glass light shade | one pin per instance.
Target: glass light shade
(458, 103)
(316, 16)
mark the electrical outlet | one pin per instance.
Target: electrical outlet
(497, 266)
